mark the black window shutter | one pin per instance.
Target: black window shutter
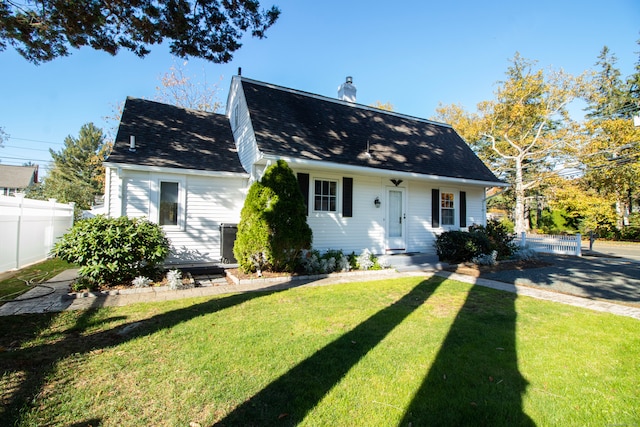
(347, 197)
(435, 208)
(303, 183)
(463, 209)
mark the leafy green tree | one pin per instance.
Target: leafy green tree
(583, 207)
(42, 30)
(611, 153)
(273, 227)
(525, 130)
(77, 174)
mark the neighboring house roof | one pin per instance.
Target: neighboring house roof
(17, 176)
(174, 137)
(296, 124)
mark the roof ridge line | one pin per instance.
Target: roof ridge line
(339, 101)
(137, 98)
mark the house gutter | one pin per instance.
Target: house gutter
(363, 170)
(161, 169)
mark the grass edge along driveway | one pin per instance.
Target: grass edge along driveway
(409, 351)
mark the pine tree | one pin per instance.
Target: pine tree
(273, 227)
(77, 174)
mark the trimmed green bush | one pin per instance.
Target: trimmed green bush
(463, 246)
(500, 238)
(114, 250)
(273, 229)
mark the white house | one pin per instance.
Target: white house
(371, 178)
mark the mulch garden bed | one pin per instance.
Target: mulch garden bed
(470, 269)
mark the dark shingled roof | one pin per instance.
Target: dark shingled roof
(174, 137)
(301, 125)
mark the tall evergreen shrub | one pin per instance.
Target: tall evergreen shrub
(273, 227)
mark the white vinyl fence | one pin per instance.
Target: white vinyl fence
(29, 229)
(552, 244)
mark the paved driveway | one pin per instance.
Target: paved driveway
(612, 279)
(630, 251)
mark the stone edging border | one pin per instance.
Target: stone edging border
(285, 279)
(234, 279)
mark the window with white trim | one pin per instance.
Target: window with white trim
(169, 198)
(447, 209)
(325, 195)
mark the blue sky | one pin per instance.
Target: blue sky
(413, 54)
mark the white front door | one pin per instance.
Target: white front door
(396, 219)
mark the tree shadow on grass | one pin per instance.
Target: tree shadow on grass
(288, 399)
(25, 370)
(474, 379)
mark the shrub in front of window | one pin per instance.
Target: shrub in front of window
(461, 246)
(114, 250)
(273, 229)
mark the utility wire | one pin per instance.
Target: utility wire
(26, 148)
(35, 140)
(26, 159)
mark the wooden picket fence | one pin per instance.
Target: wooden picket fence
(552, 244)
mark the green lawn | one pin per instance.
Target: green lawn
(386, 353)
(16, 283)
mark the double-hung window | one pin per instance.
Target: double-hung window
(325, 195)
(447, 209)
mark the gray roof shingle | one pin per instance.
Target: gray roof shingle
(17, 176)
(174, 137)
(298, 124)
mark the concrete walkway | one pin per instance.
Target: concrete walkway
(53, 296)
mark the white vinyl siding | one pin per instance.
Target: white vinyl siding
(420, 235)
(204, 203)
(363, 230)
(210, 202)
(113, 193)
(476, 213)
(136, 196)
(242, 128)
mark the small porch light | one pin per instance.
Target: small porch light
(377, 202)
